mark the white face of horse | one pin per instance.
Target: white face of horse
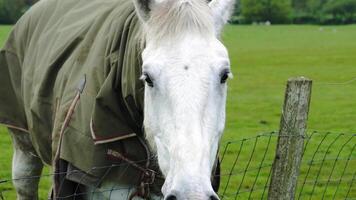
(185, 68)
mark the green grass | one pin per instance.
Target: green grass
(263, 58)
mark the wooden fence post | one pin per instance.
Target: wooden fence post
(291, 139)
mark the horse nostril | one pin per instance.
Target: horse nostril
(213, 197)
(171, 197)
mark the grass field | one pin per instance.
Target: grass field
(263, 58)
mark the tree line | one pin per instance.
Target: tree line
(12, 10)
(295, 11)
(246, 12)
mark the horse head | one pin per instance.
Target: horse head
(185, 67)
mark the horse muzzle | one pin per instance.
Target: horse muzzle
(190, 190)
(174, 195)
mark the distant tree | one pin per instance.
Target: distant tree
(345, 10)
(343, 7)
(31, 2)
(275, 11)
(236, 18)
(316, 6)
(302, 12)
(237, 8)
(299, 5)
(11, 10)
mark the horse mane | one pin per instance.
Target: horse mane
(175, 18)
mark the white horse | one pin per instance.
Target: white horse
(185, 67)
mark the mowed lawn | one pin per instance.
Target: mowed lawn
(263, 58)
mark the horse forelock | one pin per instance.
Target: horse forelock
(176, 18)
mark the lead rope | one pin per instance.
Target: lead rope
(147, 178)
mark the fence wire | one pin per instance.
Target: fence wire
(327, 171)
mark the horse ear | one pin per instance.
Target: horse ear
(143, 8)
(222, 11)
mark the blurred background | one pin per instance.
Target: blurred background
(269, 41)
(12, 10)
(247, 11)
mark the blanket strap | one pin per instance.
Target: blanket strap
(68, 117)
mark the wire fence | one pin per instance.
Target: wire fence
(327, 172)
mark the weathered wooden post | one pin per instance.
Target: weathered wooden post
(291, 139)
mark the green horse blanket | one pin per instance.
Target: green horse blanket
(69, 77)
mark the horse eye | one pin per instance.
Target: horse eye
(148, 80)
(224, 77)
